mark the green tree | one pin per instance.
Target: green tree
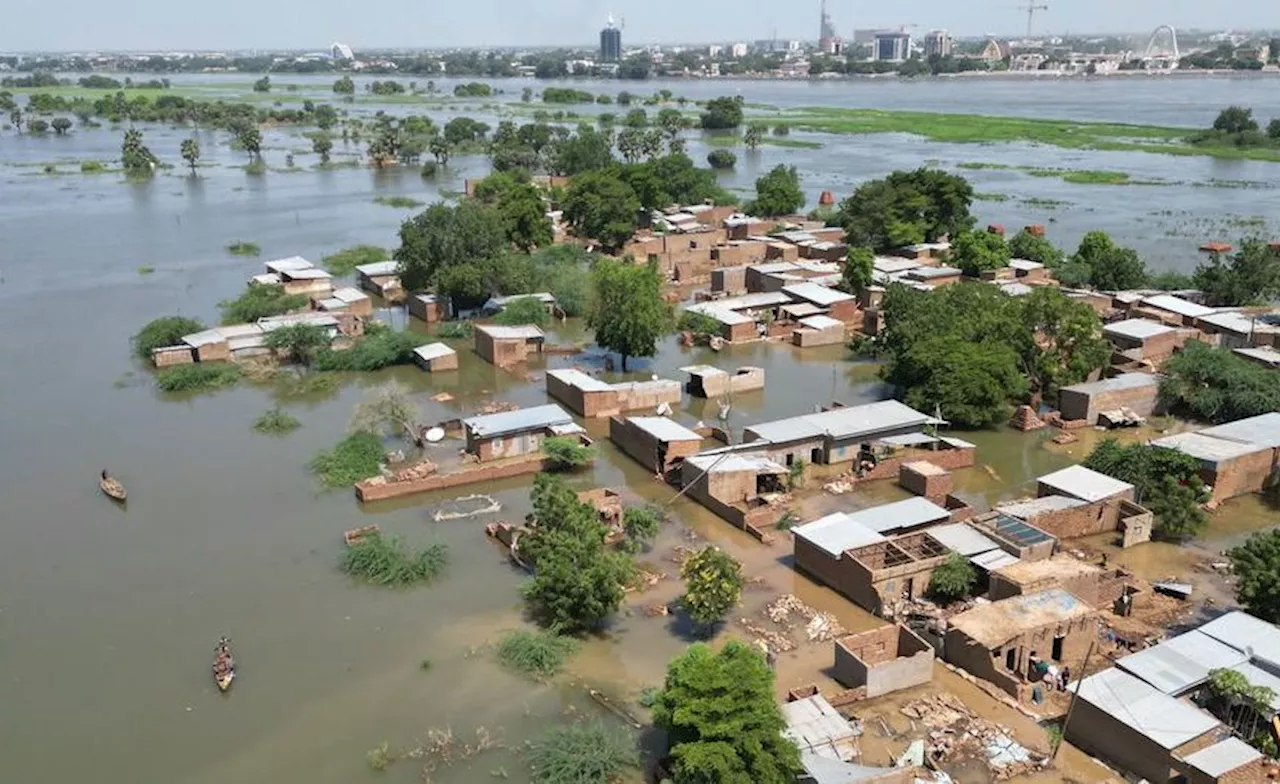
(586, 150)
(1176, 506)
(1273, 129)
(325, 116)
(298, 342)
(907, 207)
(522, 207)
(777, 193)
(582, 754)
(565, 453)
(753, 137)
(722, 719)
(191, 152)
(134, 155)
(670, 121)
(712, 586)
(1250, 276)
(1111, 267)
(1166, 481)
(15, 118)
(1215, 385)
(322, 145)
(723, 113)
(976, 251)
(629, 315)
(162, 332)
(953, 579)
(1235, 119)
(263, 85)
(631, 144)
(1063, 341)
(439, 148)
(722, 159)
(859, 269)
(1026, 245)
(60, 125)
(37, 125)
(636, 118)
(598, 206)
(259, 301)
(1256, 565)
(641, 524)
(441, 237)
(250, 140)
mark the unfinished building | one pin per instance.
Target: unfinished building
(883, 660)
(712, 382)
(590, 397)
(657, 443)
(737, 486)
(1136, 392)
(1077, 501)
(1096, 586)
(506, 346)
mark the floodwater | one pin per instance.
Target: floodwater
(108, 615)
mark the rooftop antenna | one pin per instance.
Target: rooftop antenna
(1031, 9)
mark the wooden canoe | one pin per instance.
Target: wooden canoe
(224, 666)
(112, 487)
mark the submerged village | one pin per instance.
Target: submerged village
(1020, 640)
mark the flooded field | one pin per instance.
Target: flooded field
(108, 616)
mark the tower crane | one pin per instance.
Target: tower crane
(1031, 9)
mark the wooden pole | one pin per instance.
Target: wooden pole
(1075, 695)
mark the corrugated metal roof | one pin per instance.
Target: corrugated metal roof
(1084, 483)
(957, 443)
(717, 462)
(203, 338)
(433, 351)
(1025, 265)
(723, 315)
(427, 298)
(910, 439)
(1031, 507)
(996, 559)
(899, 515)
(1229, 322)
(349, 295)
(843, 423)
(522, 332)
(1148, 711)
(270, 323)
(1177, 305)
(1120, 382)
(962, 539)
(1256, 676)
(379, 269)
(290, 263)
(1018, 530)
(579, 380)
(519, 421)
(836, 533)
(801, 309)
(929, 273)
(332, 304)
(1263, 354)
(1263, 430)
(664, 429)
(773, 267)
(1223, 757)
(1244, 632)
(812, 723)
(818, 295)
(1181, 663)
(494, 304)
(703, 370)
(1207, 448)
(1138, 329)
(308, 273)
(825, 770)
(266, 279)
(894, 264)
(821, 323)
(761, 299)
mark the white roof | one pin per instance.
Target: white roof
(844, 422)
(723, 315)
(928, 273)
(821, 322)
(307, 273)
(703, 370)
(349, 295)
(836, 533)
(894, 264)
(1177, 305)
(522, 332)
(579, 380)
(1263, 430)
(1242, 631)
(727, 462)
(1025, 265)
(1264, 354)
(379, 269)
(1229, 321)
(266, 279)
(1138, 329)
(1084, 483)
(1256, 676)
(1223, 757)
(993, 560)
(427, 297)
(270, 323)
(1167, 721)
(772, 267)
(1016, 289)
(1120, 382)
(664, 429)
(909, 439)
(203, 338)
(818, 295)
(498, 303)
(1181, 663)
(962, 538)
(291, 264)
(812, 724)
(433, 351)
(332, 304)
(1207, 448)
(518, 421)
(900, 515)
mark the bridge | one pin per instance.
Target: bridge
(1162, 48)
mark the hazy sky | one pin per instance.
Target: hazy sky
(242, 24)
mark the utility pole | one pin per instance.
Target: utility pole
(1031, 9)
(1075, 695)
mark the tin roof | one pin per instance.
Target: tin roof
(818, 295)
(899, 515)
(579, 380)
(1223, 757)
(991, 625)
(379, 269)
(1242, 631)
(836, 533)
(205, 337)
(1029, 508)
(498, 303)
(1025, 265)
(291, 263)
(349, 295)
(1263, 430)
(728, 462)
(664, 429)
(703, 370)
(821, 322)
(910, 439)
(1140, 706)
(1181, 663)
(433, 351)
(812, 724)
(843, 423)
(723, 315)
(518, 421)
(266, 279)
(894, 264)
(1137, 329)
(773, 267)
(1177, 305)
(269, 323)
(801, 309)
(1256, 676)
(1120, 382)
(332, 304)
(1084, 483)
(310, 273)
(522, 332)
(962, 539)
(993, 560)
(1207, 449)
(1229, 321)
(1264, 354)
(929, 273)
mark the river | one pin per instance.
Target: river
(108, 616)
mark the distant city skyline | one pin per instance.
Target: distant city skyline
(315, 24)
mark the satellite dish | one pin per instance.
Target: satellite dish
(435, 434)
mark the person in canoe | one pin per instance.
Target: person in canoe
(111, 486)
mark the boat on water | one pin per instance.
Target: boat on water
(224, 665)
(112, 487)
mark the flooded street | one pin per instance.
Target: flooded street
(109, 615)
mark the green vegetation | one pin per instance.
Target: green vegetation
(859, 269)
(357, 456)
(754, 135)
(698, 323)
(456, 330)
(537, 654)
(190, 150)
(796, 144)
(722, 113)
(380, 561)
(401, 202)
(722, 719)
(297, 342)
(566, 95)
(566, 452)
(906, 208)
(1215, 385)
(1243, 707)
(641, 525)
(242, 248)
(1084, 176)
(629, 314)
(162, 332)
(712, 586)
(1166, 481)
(444, 237)
(379, 756)
(1101, 263)
(953, 579)
(92, 167)
(259, 301)
(1256, 565)
(976, 251)
(1250, 276)
(137, 159)
(598, 206)
(582, 753)
(521, 206)
(777, 193)
(146, 269)
(345, 261)
(1236, 129)
(276, 422)
(525, 310)
(1025, 245)
(198, 377)
(721, 159)
(472, 90)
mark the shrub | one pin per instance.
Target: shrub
(537, 654)
(242, 248)
(402, 202)
(276, 422)
(259, 301)
(526, 310)
(381, 561)
(299, 342)
(566, 452)
(1214, 385)
(356, 457)
(712, 583)
(953, 579)
(161, 332)
(452, 330)
(582, 754)
(722, 159)
(198, 377)
(379, 348)
(92, 167)
(641, 525)
(345, 261)
(698, 323)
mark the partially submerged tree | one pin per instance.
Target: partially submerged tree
(137, 160)
(191, 152)
(712, 585)
(1250, 276)
(298, 342)
(641, 524)
(443, 236)
(907, 207)
(162, 332)
(1032, 247)
(1110, 267)
(1256, 565)
(1166, 481)
(388, 412)
(599, 207)
(566, 452)
(777, 193)
(859, 269)
(1215, 385)
(629, 315)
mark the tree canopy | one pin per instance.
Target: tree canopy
(1025, 245)
(907, 207)
(1250, 276)
(723, 113)
(161, 332)
(859, 269)
(629, 315)
(600, 207)
(1256, 564)
(1063, 340)
(443, 236)
(1215, 385)
(777, 193)
(521, 206)
(953, 579)
(712, 585)
(722, 720)
(1166, 481)
(976, 251)
(1105, 265)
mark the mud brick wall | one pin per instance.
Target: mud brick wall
(1079, 521)
(1085, 406)
(1246, 474)
(930, 486)
(950, 459)
(883, 660)
(371, 491)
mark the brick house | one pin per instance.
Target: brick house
(1077, 501)
(711, 382)
(1094, 585)
(1231, 468)
(657, 443)
(381, 278)
(430, 307)
(435, 357)
(1136, 391)
(516, 433)
(836, 435)
(818, 330)
(346, 300)
(1143, 340)
(883, 660)
(735, 485)
(590, 397)
(837, 304)
(504, 346)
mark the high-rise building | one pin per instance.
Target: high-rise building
(937, 42)
(610, 43)
(893, 47)
(828, 40)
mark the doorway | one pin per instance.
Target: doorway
(1011, 660)
(1056, 653)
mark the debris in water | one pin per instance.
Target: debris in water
(467, 506)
